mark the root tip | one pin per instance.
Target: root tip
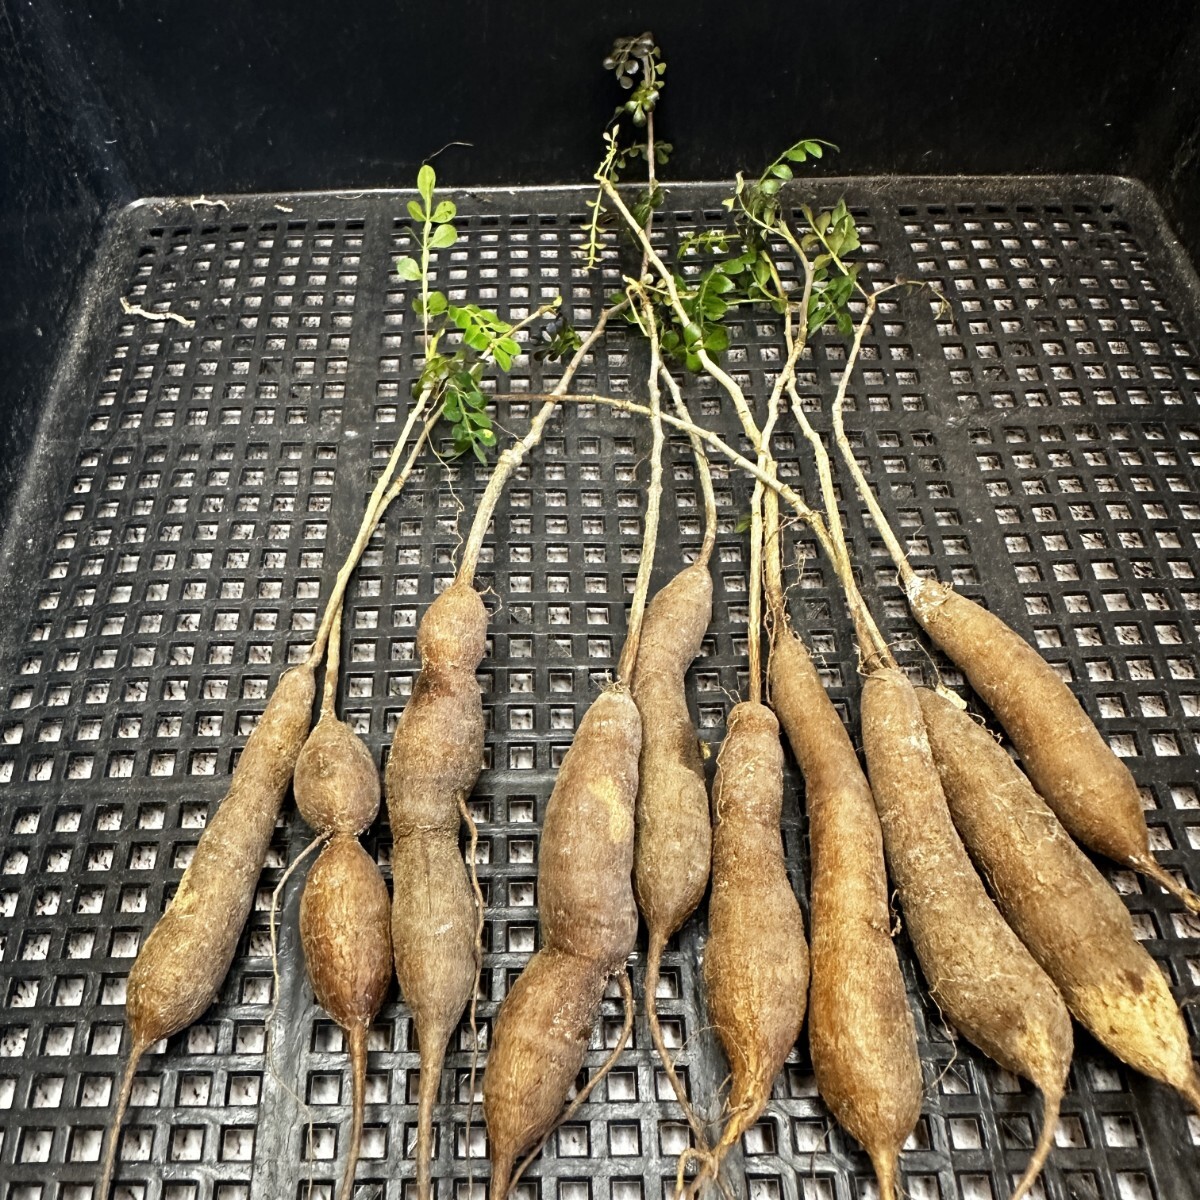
(1153, 869)
(884, 1164)
(1045, 1143)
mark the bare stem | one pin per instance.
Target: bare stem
(370, 519)
(899, 557)
(641, 589)
(873, 646)
(512, 457)
(333, 663)
(703, 470)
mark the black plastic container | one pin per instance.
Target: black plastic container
(176, 499)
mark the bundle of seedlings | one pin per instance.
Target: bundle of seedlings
(756, 959)
(980, 975)
(1067, 759)
(437, 748)
(586, 909)
(182, 964)
(672, 827)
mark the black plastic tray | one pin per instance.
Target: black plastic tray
(193, 489)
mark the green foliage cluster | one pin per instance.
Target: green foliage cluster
(453, 378)
(630, 58)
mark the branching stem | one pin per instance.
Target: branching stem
(873, 647)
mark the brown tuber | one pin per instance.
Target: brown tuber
(589, 923)
(673, 838)
(436, 757)
(182, 964)
(860, 1029)
(756, 959)
(1059, 905)
(344, 932)
(979, 974)
(1068, 762)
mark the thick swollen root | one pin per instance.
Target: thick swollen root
(756, 961)
(182, 964)
(436, 757)
(860, 1029)
(585, 861)
(589, 923)
(540, 1039)
(1069, 763)
(673, 833)
(673, 843)
(979, 974)
(1056, 901)
(185, 959)
(344, 933)
(336, 783)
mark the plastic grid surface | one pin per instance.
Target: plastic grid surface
(1037, 442)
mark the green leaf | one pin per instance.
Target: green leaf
(443, 236)
(781, 171)
(743, 523)
(814, 148)
(716, 339)
(416, 211)
(426, 182)
(408, 269)
(769, 187)
(445, 211)
(796, 154)
(437, 304)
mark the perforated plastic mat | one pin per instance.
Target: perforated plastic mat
(195, 487)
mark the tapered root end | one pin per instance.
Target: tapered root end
(433, 1058)
(114, 1136)
(1037, 1160)
(358, 1074)
(653, 961)
(884, 1164)
(1152, 869)
(502, 1169)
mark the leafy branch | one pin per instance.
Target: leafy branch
(453, 380)
(630, 58)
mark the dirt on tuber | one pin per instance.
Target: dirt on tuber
(589, 925)
(756, 959)
(673, 838)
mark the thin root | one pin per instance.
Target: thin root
(473, 833)
(136, 310)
